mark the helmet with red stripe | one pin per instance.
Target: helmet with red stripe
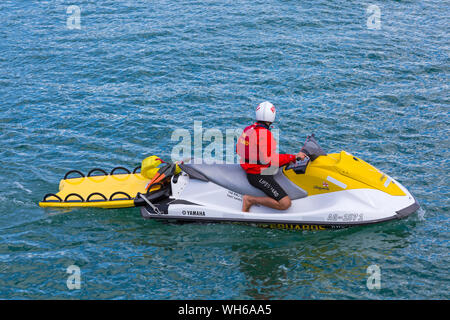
(265, 112)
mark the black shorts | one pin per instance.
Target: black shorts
(268, 185)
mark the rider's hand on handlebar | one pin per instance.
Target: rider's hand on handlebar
(301, 155)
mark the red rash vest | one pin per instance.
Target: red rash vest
(257, 149)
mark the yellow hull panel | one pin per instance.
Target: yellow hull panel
(342, 171)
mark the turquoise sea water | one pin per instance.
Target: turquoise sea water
(112, 93)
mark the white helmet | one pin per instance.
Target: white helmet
(266, 112)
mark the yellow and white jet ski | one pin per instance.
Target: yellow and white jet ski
(333, 190)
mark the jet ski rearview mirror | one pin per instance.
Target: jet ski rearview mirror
(312, 148)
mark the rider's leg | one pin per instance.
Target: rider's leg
(248, 201)
(276, 197)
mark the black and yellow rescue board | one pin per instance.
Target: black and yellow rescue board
(113, 190)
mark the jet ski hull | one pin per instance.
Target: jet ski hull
(192, 215)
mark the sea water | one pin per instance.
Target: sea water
(87, 84)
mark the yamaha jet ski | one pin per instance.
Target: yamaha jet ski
(333, 190)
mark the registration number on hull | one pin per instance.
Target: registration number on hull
(347, 217)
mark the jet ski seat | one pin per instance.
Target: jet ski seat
(234, 178)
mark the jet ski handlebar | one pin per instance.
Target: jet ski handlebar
(299, 166)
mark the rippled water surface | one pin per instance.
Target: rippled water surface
(113, 92)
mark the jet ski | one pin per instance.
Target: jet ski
(335, 190)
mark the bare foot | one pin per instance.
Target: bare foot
(246, 203)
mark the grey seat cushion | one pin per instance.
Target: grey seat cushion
(234, 178)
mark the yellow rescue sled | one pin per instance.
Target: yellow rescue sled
(113, 190)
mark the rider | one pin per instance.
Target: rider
(257, 149)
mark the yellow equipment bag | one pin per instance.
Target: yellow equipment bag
(150, 166)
